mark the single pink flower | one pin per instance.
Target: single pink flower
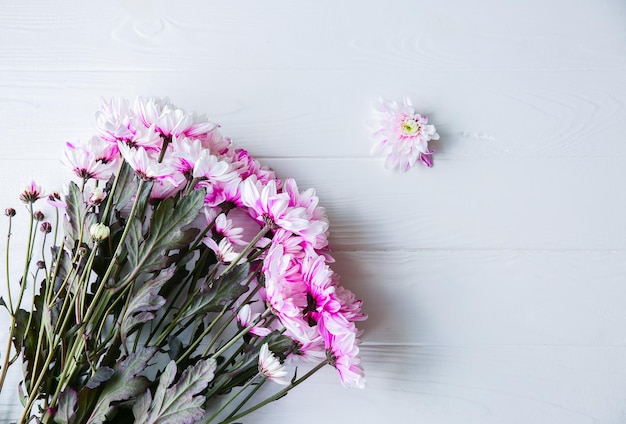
(402, 135)
(144, 164)
(95, 159)
(245, 317)
(270, 207)
(31, 193)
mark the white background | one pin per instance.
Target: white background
(495, 281)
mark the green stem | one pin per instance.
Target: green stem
(248, 397)
(277, 395)
(245, 251)
(206, 331)
(97, 306)
(56, 343)
(11, 311)
(20, 297)
(109, 203)
(7, 353)
(118, 251)
(239, 335)
(232, 398)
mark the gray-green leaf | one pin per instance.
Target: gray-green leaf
(125, 384)
(66, 407)
(77, 216)
(180, 403)
(166, 233)
(144, 302)
(226, 289)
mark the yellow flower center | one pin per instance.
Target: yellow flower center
(410, 126)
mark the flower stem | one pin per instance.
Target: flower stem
(277, 395)
(240, 334)
(245, 251)
(243, 402)
(232, 398)
(20, 297)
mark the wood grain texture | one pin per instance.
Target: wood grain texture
(494, 281)
(548, 204)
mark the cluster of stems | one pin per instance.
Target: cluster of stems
(84, 289)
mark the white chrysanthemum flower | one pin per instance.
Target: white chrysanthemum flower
(270, 367)
(402, 135)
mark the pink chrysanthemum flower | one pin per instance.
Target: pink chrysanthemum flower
(143, 163)
(94, 159)
(268, 206)
(55, 200)
(402, 135)
(31, 193)
(246, 317)
(170, 121)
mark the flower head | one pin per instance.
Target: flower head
(99, 232)
(402, 135)
(270, 366)
(31, 193)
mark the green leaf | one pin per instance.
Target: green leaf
(226, 289)
(77, 216)
(102, 375)
(180, 403)
(149, 253)
(126, 187)
(126, 383)
(66, 407)
(176, 347)
(144, 302)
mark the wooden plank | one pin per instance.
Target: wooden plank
(488, 298)
(294, 113)
(321, 35)
(506, 204)
(441, 384)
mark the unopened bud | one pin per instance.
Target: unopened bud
(41, 264)
(39, 216)
(99, 232)
(97, 196)
(9, 212)
(46, 227)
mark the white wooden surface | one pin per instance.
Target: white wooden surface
(495, 281)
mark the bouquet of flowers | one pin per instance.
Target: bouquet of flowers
(176, 277)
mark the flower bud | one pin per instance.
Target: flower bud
(9, 212)
(39, 216)
(46, 227)
(41, 264)
(99, 232)
(97, 196)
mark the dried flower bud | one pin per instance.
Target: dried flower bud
(9, 212)
(99, 232)
(97, 196)
(31, 193)
(41, 264)
(39, 216)
(83, 251)
(46, 227)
